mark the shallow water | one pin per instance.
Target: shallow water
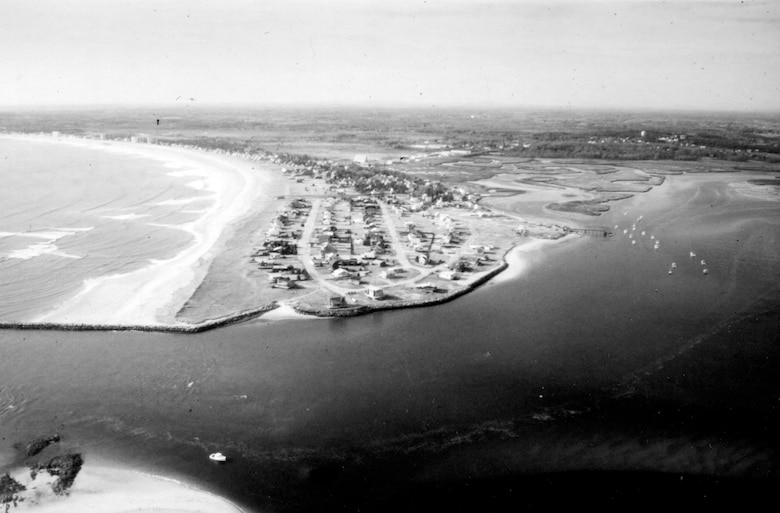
(593, 359)
(69, 214)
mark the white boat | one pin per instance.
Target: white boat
(703, 262)
(633, 242)
(674, 265)
(693, 254)
(705, 271)
(217, 456)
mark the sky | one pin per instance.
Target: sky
(626, 54)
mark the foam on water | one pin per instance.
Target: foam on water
(126, 217)
(60, 224)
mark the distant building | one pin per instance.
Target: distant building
(55, 134)
(336, 302)
(360, 159)
(449, 275)
(375, 293)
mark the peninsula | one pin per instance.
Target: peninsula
(368, 225)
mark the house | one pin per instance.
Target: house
(422, 259)
(426, 287)
(336, 302)
(460, 266)
(340, 273)
(449, 275)
(375, 293)
(389, 274)
(283, 282)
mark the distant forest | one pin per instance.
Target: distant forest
(554, 133)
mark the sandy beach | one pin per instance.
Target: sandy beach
(103, 489)
(154, 294)
(520, 257)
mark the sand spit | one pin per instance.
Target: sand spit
(151, 296)
(115, 490)
(519, 257)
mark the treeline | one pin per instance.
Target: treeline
(367, 180)
(634, 151)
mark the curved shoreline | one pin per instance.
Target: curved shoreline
(452, 295)
(110, 488)
(152, 294)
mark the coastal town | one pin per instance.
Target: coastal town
(355, 240)
(352, 238)
(315, 236)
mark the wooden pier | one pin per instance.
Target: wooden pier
(593, 232)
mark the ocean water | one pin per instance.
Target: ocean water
(68, 214)
(594, 377)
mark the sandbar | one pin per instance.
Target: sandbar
(103, 489)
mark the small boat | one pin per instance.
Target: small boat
(643, 233)
(703, 262)
(670, 271)
(633, 242)
(625, 231)
(705, 271)
(674, 265)
(693, 254)
(217, 456)
(652, 237)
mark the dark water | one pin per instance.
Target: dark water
(594, 377)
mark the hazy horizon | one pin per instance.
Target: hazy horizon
(624, 55)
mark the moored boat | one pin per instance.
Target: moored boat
(217, 456)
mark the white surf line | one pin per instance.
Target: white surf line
(144, 295)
